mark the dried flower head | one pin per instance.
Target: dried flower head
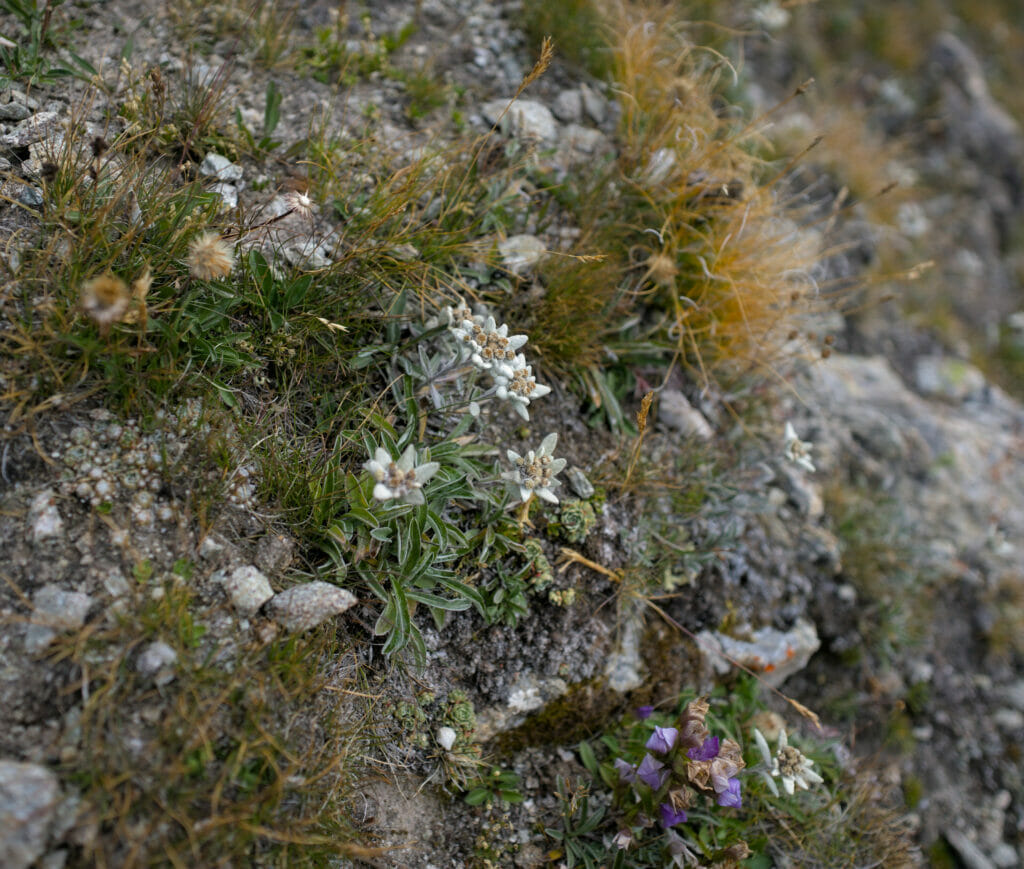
(105, 299)
(140, 289)
(300, 204)
(661, 268)
(210, 257)
(534, 473)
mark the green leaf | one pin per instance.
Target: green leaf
(272, 108)
(588, 758)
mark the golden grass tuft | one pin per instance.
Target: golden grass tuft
(687, 216)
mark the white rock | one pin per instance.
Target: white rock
(29, 796)
(228, 195)
(303, 607)
(520, 252)
(776, 654)
(584, 139)
(54, 609)
(675, 412)
(45, 517)
(220, 167)
(248, 589)
(568, 106)
(156, 661)
(950, 379)
(594, 104)
(446, 737)
(527, 119)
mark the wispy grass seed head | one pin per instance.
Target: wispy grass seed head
(210, 257)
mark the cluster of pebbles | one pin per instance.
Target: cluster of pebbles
(112, 461)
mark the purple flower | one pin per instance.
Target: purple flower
(670, 817)
(627, 773)
(731, 795)
(707, 751)
(643, 712)
(651, 772)
(662, 739)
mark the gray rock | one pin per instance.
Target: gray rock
(676, 413)
(1005, 856)
(594, 104)
(29, 796)
(578, 482)
(971, 854)
(211, 547)
(625, 669)
(228, 195)
(220, 167)
(31, 196)
(156, 661)
(975, 123)
(520, 252)
(949, 379)
(1014, 695)
(526, 119)
(804, 493)
(14, 111)
(247, 587)
(775, 654)
(568, 106)
(1008, 719)
(44, 517)
(274, 552)
(584, 139)
(310, 255)
(303, 607)
(54, 610)
(31, 130)
(528, 693)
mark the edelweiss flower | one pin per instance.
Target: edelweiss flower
(402, 479)
(517, 384)
(789, 764)
(490, 346)
(797, 450)
(535, 474)
(460, 316)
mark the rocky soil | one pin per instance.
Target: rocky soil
(904, 429)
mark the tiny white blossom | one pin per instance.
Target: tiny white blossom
(534, 473)
(402, 479)
(796, 450)
(788, 763)
(517, 384)
(490, 346)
